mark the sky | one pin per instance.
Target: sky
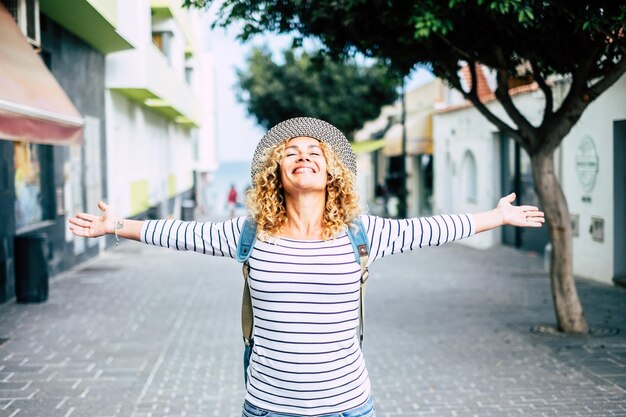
(237, 133)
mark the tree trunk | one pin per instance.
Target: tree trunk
(569, 311)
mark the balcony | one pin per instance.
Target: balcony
(144, 76)
(94, 21)
(172, 9)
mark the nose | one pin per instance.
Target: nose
(303, 158)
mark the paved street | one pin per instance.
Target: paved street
(145, 331)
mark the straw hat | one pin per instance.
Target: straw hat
(309, 127)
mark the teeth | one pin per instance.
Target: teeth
(299, 170)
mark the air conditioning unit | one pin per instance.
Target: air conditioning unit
(26, 15)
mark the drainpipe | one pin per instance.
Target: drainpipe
(402, 209)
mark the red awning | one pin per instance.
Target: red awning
(33, 106)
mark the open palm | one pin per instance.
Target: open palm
(88, 225)
(521, 216)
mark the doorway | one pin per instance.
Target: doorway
(619, 201)
(517, 177)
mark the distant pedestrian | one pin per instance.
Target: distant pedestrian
(306, 357)
(231, 201)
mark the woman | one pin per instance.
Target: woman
(304, 281)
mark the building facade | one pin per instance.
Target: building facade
(129, 130)
(475, 166)
(155, 97)
(380, 150)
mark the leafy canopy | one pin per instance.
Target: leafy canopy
(527, 39)
(559, 34)
(340, 91)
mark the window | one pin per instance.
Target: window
(157, 39)
(12, 7)
(162, 40)
(470, 177)
(28, 189)
(189, 75)
(26, 15)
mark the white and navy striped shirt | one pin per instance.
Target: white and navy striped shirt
(305, 296)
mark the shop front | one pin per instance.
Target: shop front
(36, 117)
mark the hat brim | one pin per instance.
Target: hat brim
(306, 127)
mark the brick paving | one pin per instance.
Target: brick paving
(145, 331)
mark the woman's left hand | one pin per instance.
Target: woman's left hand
(521, 216)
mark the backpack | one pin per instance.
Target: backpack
(358, 239)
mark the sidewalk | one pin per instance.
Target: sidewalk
(145, 331)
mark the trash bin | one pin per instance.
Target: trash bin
(31, 268)
(187, 209)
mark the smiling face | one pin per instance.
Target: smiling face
(303, 166)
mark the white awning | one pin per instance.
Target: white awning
(418, 133)
(33, 106)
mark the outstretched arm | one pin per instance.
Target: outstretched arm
(507, 214)
(89, 225)
(218, 239)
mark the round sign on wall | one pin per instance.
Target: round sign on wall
(587, 163)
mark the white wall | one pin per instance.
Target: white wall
(133, 21)
(454, 134)
(595, 259)
(458, 131)
(465, 129)
(365, 181)
(141, 145)
(120, 145)
(204, 89)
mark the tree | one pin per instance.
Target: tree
(340, 91)
(583, 41)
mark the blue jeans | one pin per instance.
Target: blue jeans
(365, 410)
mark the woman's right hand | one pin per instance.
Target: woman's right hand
(88, 225)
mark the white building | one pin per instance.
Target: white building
(379, 148)
(160, 119)
(475, 166)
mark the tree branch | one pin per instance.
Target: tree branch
(466, 56)
(558, 124)
(474, 79)
(472, 96)
(609, 79)
(502, 93)
(578, 98)
(547, 91)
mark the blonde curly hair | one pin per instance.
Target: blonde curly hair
(266, 198)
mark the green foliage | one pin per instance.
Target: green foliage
(560, 36)
(314, 84)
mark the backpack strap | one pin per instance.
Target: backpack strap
(244, 248)
(358, 238)
(246, 240)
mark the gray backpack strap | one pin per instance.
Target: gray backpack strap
(246, 239)
(244, 249)
(358, 238)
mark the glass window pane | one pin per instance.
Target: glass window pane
(28, 198)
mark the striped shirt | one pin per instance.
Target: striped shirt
(306, 358)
